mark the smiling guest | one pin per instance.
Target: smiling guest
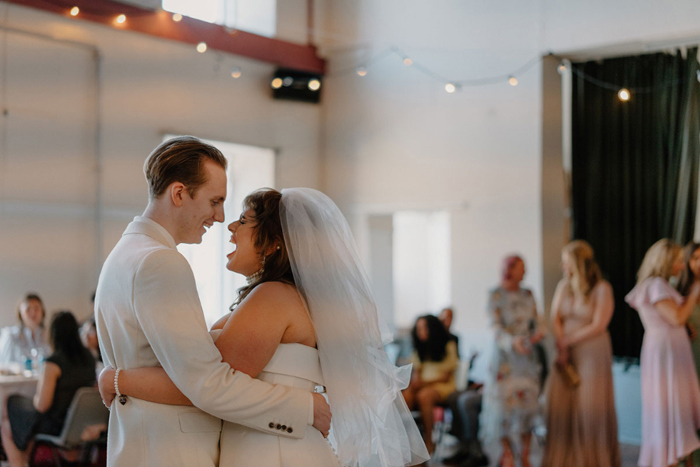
(17, 342)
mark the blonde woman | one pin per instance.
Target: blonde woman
(581, 420)
(670, 390)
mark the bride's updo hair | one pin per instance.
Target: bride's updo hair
(268, 236)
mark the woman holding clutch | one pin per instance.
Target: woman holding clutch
(670, 390)
(581, 421)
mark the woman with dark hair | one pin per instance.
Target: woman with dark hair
(690, 274)
(69, 368)
(514, 381)
(306, 318)
(27, 340)
(434, 363)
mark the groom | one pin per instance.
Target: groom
(148, 313)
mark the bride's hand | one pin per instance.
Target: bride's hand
(106, 385)
(322, 414)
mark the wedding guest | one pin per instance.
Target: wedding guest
(581, 421)
(513, 384)
(434, 363)
(446, 317)
(670, 389)
(67, 369)
(691, 273)
(27, 340)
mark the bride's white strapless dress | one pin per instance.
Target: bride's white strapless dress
(294, 365)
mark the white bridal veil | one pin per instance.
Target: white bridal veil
(372, 426)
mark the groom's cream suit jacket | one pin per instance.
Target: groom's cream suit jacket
(148, 313)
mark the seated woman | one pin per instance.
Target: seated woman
(27, 340)
(70, 367)
(434, 363)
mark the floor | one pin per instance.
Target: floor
(629, 453)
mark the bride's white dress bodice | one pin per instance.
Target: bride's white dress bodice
(294, 365)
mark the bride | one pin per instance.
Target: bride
(306, 319)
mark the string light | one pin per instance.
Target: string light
(74, 11)
(314, 85)
(276, 83)
(624, 94)
(362, 71)
(407, 61)
(450, 88)
(177, 17)
(121, 19)
(236, 72)
(202, 47)
(513, 81)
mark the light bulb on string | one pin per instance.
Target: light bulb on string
(236, 72)
(624, 94)
(450, 88)
(314, 85)
(362, 71)
(202, 47)
(74, 11)
(177, 17)
(121, 19)
(287, 81)
(276, 83)
(513, 81)
(407, 61)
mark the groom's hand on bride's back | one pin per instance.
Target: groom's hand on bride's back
(322, 414)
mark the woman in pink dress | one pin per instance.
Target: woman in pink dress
(581, 421)
(670, 390)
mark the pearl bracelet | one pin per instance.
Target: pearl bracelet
(119, 395)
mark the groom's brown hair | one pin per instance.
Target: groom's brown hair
(180, 159)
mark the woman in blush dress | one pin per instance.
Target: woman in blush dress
(581, 421)
(670, 390)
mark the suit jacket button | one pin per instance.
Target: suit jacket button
(289, 430)
(284, 427)
(279, 427)
(271, 425)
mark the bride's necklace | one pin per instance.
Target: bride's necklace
(255, 276)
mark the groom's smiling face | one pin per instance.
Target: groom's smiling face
(206, 207)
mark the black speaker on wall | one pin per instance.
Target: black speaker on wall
(295, 85)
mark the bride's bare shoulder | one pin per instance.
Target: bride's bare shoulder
(277, 295)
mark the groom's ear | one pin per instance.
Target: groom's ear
(177, 192)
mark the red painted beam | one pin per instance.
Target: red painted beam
(189, 30)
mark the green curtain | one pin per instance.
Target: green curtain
(634, 167)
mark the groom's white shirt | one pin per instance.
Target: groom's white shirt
(148, 313)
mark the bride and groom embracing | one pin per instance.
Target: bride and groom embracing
(306, 319)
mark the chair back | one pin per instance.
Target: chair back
(85, 410)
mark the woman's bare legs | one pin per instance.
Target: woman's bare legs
(15, 457)
(427, 398)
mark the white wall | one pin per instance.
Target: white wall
(395, 140)
(148, 87)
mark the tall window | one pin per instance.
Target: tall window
(249, 168)
(256, 16)
(421, 264)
